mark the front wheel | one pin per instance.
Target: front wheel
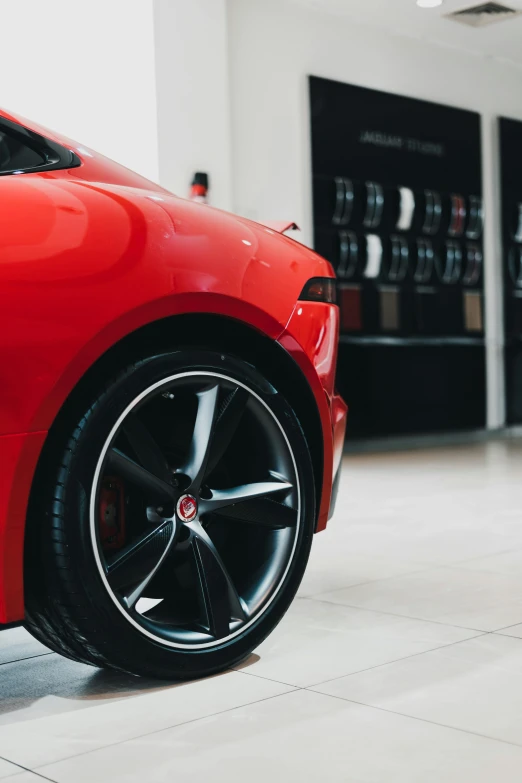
(179, 522)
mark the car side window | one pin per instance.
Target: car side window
(16, 156)
(23, 151)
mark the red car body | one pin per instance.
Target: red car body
(91, 254)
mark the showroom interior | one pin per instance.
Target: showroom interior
(390, 133)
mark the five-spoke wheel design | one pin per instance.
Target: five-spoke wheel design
(195, 509)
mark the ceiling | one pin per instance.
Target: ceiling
(502, 40)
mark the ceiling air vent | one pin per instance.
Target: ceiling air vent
(484, 14)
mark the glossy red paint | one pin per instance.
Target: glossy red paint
(90, 254)
(311, 338)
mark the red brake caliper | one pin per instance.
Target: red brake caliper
(112, 514)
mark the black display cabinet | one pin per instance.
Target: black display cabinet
(397, 204)
(511, 194)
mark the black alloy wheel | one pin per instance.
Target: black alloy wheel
(185, 501)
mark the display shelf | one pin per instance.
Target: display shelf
(510, 136)
(398, 211)
(349, 339)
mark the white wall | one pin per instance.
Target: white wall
(193, 95)
(86, 70)
(275, 44)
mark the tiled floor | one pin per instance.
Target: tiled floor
(400, 662)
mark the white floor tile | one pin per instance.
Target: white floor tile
(479, 600)
(43, 740)
(303, 737)
(475, 686)
(439, 506)
(437, 534)
(17, 644)
(318, 641)
(8, 770)
(504, 563)
(332, 566)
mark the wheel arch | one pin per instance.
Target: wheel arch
(213, 331)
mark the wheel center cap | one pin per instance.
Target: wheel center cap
(187, 508)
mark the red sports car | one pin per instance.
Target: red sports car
(170, 436)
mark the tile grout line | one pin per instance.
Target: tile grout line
(506, 628)
(25, 769)
(484, 557)
(406, 574)
(370, 668)
(506, 635)
(269, 679)
(28, 658)
(414, 717)
(294, 689)
(398, 660)
(403, 616)
(372, 581)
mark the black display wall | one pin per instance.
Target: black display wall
(511, 186)
(397, 200)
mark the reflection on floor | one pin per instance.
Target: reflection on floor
(400, 662)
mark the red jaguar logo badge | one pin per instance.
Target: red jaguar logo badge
(187, 508)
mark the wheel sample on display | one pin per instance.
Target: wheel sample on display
(449, 264)
(374, 255)
(374, 205)
(348, 265)
(406, 209)
(398, 259)
(425, 261)
(458, 216)
(433, 215)
(474, 264)
(344, 198)
(475, 218)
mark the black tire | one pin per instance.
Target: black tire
(70, 604)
